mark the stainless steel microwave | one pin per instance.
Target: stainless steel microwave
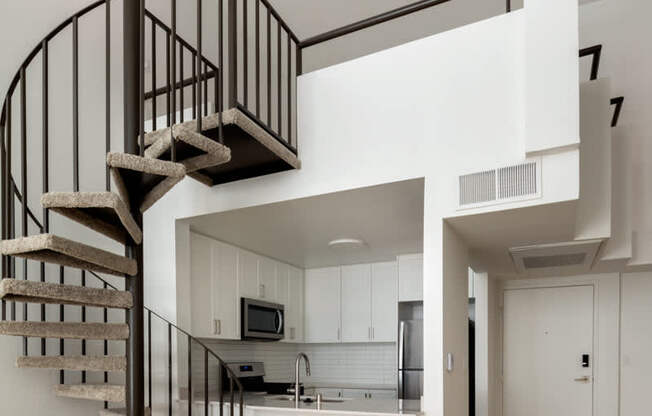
(262, 321)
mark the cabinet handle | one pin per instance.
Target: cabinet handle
(217, 327)
(373, 333)
(291, 333)
(261, 289)
(338, 334)
(369, 333)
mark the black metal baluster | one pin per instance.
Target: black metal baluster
(233, 52)
(3, 169)
(141, 84)
(221, 388)
(61, 318)
(269, 68)
(23, 176)
(173, 149)
(181, 116)
(216, 89)
(241, 404)
(108, 88)
(106, 346)
(279, 94)
(299, 60)
(206, 380)
(205, 89)
(83, 319)
(189, 375)
(168, 95)
(169, 369)
(232, 396)
(245, 53)
(45, 167)
(258, 58)
(154, 96)
(289, 90)
(194, 85)
(199, 33)
(220, 53)
(75, 103)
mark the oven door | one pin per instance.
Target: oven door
(262, 320)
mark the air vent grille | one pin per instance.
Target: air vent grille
(505, 184)
(478, 187)
(559, 260)
(519, 180)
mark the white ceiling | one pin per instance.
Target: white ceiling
(490, 235)
(389, 218)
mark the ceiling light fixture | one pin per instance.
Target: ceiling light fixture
(347, 243)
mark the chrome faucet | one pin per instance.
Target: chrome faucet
(297, 389)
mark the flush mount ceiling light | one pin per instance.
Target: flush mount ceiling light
(347, 244)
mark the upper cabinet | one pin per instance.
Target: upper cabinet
(410, 277)
(221, 274)
(384, 302)
(356, 303)
(366, 295)
(322, 305)
(267, 273)
(247, 274)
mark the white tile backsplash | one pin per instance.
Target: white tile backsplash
(362, 363)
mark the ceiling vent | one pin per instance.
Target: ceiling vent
(506, 184)
(562, 258)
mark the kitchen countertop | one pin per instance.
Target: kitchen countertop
(356, 386)
(259, 403)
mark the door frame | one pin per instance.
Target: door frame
(606, 297)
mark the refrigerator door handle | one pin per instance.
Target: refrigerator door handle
(401, 357)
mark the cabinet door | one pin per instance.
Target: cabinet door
(201, 265)
(410, 277)
(225, 291)
(322, 305)
(267, 279)
(247, 274)
(294, 309)
(354, 394)
(328, 392)
(356, 303)
(384, 302)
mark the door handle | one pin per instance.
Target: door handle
(584, 379)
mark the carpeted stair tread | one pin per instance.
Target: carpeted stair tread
(121, 412)
(145, 165)
(99, 392)
(76, 363)
(104, 212)
(207, 153)
(40, 292)
(49, 248)
(65, 330)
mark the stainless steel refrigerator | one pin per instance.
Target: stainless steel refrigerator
(410, 359)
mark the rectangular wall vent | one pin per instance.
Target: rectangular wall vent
(505, 184)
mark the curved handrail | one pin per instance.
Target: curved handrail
(39, 47)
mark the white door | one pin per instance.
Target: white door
(546, 333)
(322, 305)
(356, 303)
(384, 302)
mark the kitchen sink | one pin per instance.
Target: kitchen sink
(306, 399)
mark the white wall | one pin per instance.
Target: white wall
(418, 110)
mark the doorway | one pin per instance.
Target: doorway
(548, 351)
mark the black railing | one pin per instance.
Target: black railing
(594, 52)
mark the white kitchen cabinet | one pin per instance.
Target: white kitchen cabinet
(224, 291)
(247, 274)
(294, 307)
(410, 278)
(267, 273)
(356, 303)
(384, 302)
(201, 264)
(322, 305)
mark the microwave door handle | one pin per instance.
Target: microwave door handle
(279, 316)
